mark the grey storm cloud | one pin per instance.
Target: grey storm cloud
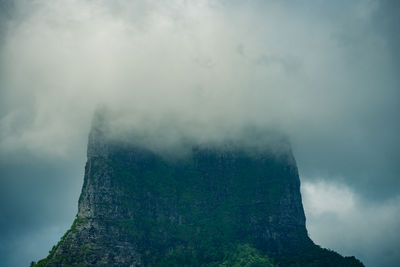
(324, 73)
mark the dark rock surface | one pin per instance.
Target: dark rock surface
(140, 208)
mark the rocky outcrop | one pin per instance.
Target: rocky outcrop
(141, 208)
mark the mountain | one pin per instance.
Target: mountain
(218, 204)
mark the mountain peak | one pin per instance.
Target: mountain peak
(217, 204)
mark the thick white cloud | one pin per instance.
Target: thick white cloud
(267, 64)
(325, 73)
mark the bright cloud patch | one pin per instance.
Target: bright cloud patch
(339, 219)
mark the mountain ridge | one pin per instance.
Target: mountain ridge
(218, 205)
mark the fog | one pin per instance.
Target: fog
(323, 73)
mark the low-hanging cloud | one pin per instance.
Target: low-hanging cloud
(323, 73)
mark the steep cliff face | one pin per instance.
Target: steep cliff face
(141, 208)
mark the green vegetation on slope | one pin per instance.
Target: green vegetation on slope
(70, 258)
(209, 210)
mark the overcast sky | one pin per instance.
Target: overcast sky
(325, 73)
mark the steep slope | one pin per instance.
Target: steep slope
(219, 205)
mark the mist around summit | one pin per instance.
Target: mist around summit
(323, 74)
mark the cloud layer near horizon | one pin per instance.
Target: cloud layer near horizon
(323, 73)
(340, 219)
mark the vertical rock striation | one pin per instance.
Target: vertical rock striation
(140, 208)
